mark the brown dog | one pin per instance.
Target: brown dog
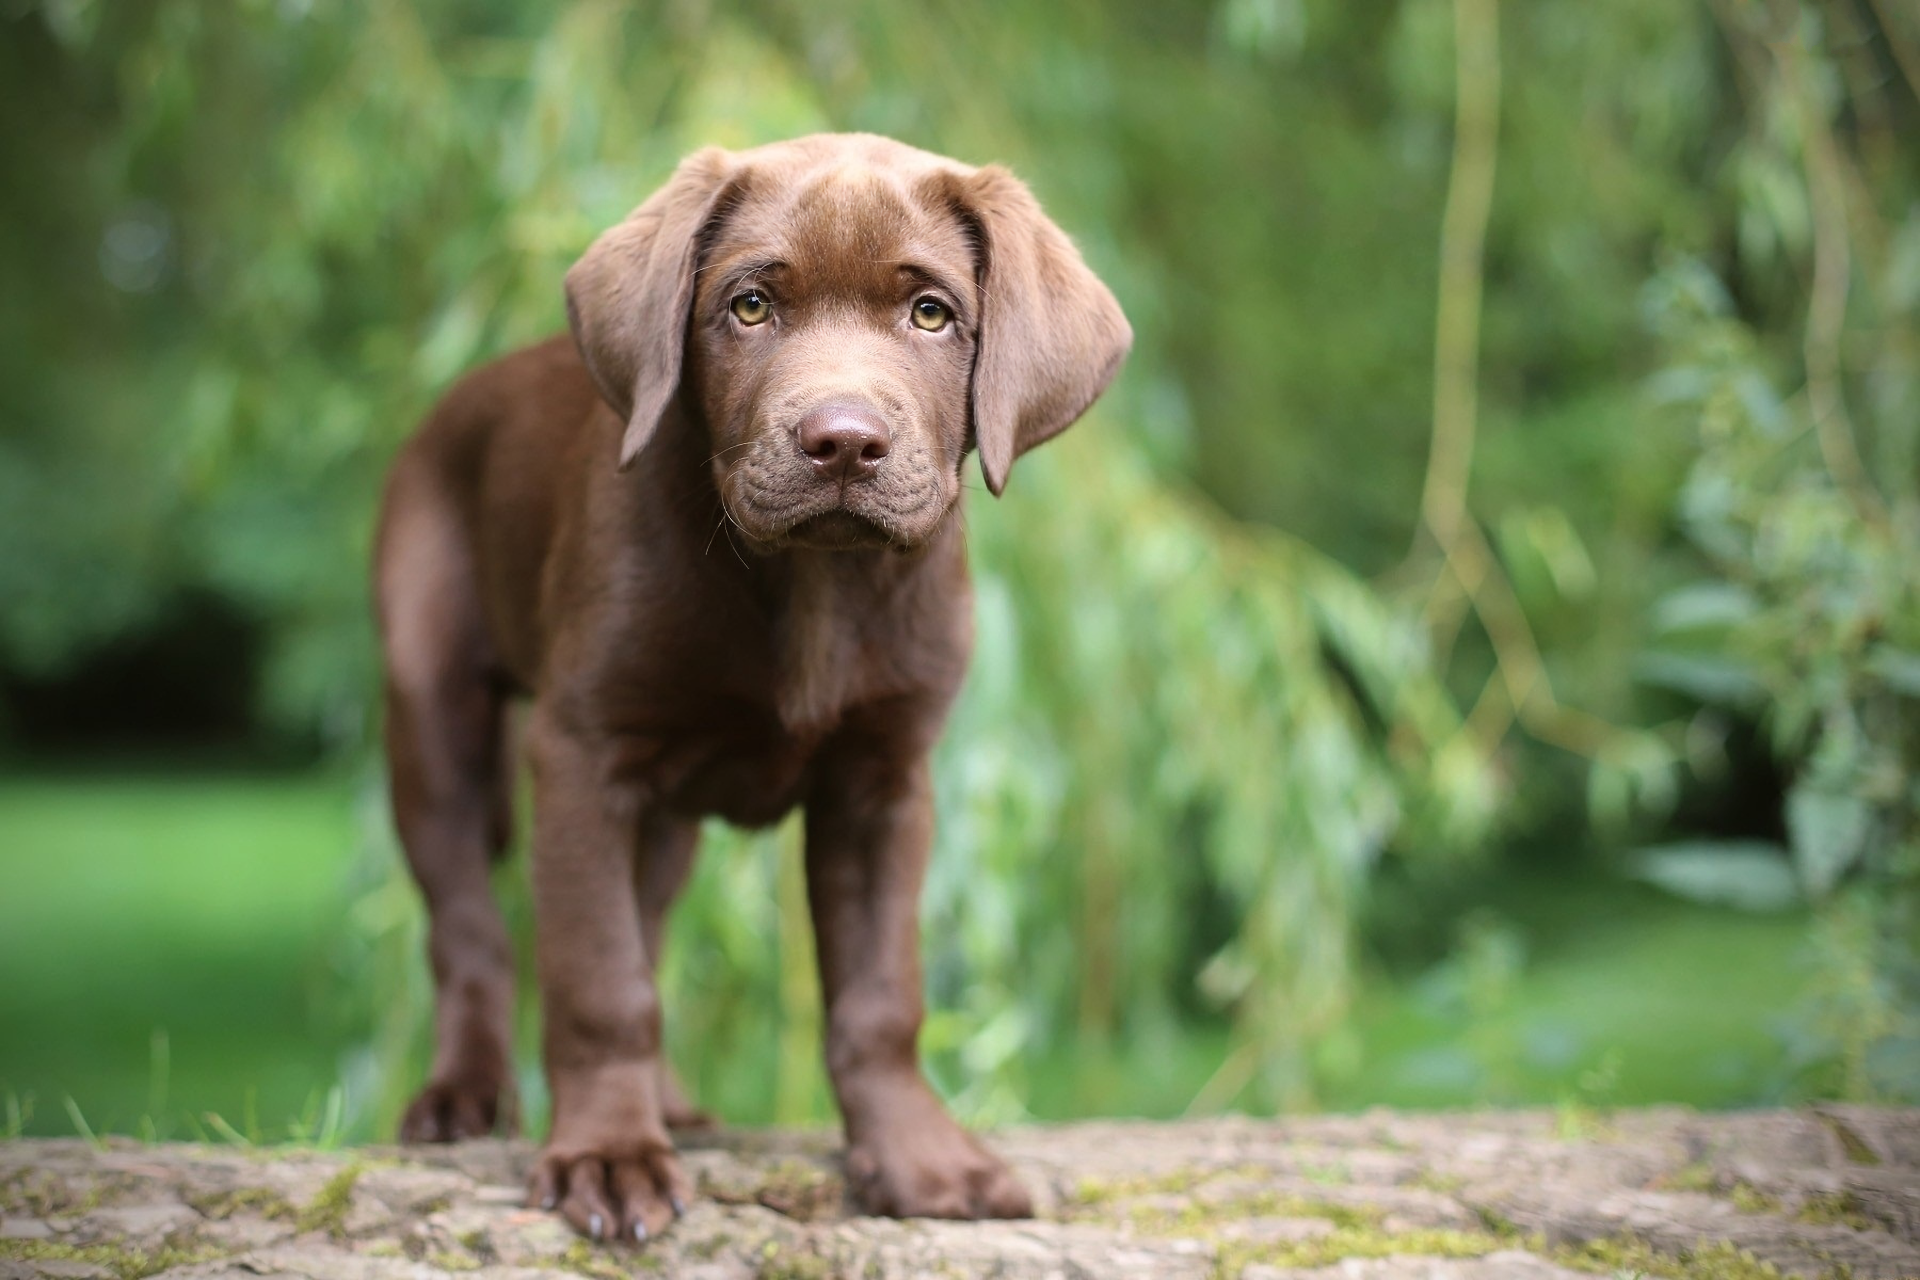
(716, 539)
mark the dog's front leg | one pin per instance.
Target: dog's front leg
(869, 831)
(608, 1165)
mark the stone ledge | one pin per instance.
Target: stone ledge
(1382, 1196)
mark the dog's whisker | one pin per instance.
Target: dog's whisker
(726, 519)
(744, 444)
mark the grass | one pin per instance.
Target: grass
(1624, 997)
(162, 947)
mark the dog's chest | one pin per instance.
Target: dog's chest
(724, 710)
(741, 748)
(821, 659)
(750, 777)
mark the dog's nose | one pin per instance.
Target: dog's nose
(846, 442)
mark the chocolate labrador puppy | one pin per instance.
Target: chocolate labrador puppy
(715, 538)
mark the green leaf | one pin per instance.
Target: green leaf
(1899, 668)
(1715, 678)
(1750, 875)
(1829, 832)
(1704, 605)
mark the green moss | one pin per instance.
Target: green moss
(611, 1261)
(801, 1191)
(583, 1259)
(1629, 1255)
(125, 1261)
(1837, 1209)
(1617, 1256)
(1114, 1201)
(1496, 1223)
(1197, 1217)
(793, 1188)
(777, 1263)
(1356, 1242)
(1358, 1231)
(327, 1211)
(46, 1195)
(20, 1194)
(478, 1246)
(1855, 1147)
(709, 1247)
(1698, 1177)
(1098, 1191)
(447, 1260)
(264, 1202)
(1748, 1198)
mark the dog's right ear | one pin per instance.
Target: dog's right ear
(629, 295)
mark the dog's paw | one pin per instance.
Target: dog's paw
(628, 1197)
(449, 1110)
(933, 1168)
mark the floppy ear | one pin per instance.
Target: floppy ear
(628, 296)
(1051, 335)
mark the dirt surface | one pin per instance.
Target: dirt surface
(1383, 1196)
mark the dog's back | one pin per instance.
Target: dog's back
(468, 514)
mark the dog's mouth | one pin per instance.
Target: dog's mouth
(839, 530)
(775, 508)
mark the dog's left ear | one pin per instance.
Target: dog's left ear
(1051, 335)
(629, 295)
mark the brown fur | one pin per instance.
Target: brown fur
(724, 563)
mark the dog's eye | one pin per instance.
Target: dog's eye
(931, 314)
(752, 307)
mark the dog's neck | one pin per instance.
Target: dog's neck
(837, 618)
(819, 640)
(832, 613)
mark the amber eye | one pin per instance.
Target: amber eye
(931, 314)
(752, 307)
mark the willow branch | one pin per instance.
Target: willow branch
(1519, 688)
(1463, 242)
(1827, 304)
(1470, 578)
(1905, 55)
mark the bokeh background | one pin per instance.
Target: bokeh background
(1472, 656)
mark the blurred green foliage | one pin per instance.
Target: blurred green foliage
(1214, 708)
(162, 948)
(157, 970)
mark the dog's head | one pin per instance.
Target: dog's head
(849, 316)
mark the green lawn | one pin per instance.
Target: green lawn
(1617, 995)
(192, 908)
(1621, 994)
(200, 909)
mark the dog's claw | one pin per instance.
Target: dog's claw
(679, 1206)
(596, 1226)
(639, 1233)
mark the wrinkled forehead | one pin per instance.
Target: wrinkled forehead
(843, 227)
